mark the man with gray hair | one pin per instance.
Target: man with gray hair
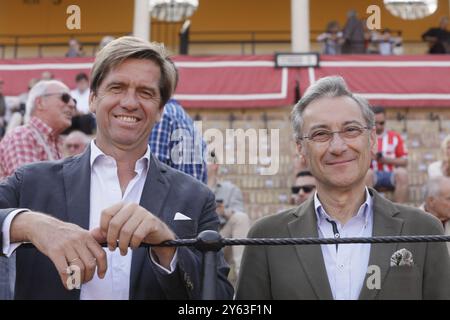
(49, 112)
(437, 201)
(335, 136)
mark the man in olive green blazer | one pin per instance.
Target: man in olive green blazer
(298, 272)
(336, 139)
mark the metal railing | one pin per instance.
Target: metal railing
(167, 33)
(210, 242)
(51, 40)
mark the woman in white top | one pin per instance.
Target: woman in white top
(441, 167)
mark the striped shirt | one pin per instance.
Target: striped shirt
(391, 145)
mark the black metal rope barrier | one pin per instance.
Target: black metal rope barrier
(209, 242)
(304, 241)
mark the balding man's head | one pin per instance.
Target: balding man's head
(437, 197)
(75, 143)
(50, 101)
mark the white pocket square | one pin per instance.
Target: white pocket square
(402, 257)
(180, 216)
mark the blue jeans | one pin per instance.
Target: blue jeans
(384, 179)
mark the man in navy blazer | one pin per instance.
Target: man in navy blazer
(116, 192)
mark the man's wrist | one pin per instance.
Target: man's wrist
(23, 224)
(19, 230)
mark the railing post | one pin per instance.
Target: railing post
(209, 243)
(253, 43)
(16, 44)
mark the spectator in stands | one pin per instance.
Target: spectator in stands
(16, 112)
(176, 142)
(332, 39)
(75, 49)
(2, 110)
(83, 120)
(437, 201)
(15, 121)
(51, 108)
(338, 151)
(235, 223)
(49, 112)
(438, 38)
(105, 40)
(384, 42)
(353, 35)
(23, 97)
(303, 188)
(441, 167)
(75, 143)
(388, 168)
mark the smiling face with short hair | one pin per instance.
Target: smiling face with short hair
(339, 162)
(127, 105)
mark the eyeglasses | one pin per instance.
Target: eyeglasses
(65, 97)
(347, 133)
(306, 189)
(380, 123)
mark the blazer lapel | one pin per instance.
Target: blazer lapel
(156, 189)
(310, 256)
(77, 183)
(384, 224)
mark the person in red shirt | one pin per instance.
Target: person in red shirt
(50, 108)
(388, 167)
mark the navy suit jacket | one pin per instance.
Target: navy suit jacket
(62, 189)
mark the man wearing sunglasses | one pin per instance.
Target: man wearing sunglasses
(303, 187)
(49, 111)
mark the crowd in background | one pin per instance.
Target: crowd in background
(356, 38)
(51, 122)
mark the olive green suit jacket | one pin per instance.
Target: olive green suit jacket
(298, 272)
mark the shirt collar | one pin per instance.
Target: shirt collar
(364, 211)
(41, 126)
(141, 164)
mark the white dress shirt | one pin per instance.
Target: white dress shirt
(82, 100)
(347, 265)
(105, 192)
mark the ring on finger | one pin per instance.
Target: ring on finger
(73, 260)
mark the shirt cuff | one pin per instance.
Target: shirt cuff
(173, 263)
(8, 247)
